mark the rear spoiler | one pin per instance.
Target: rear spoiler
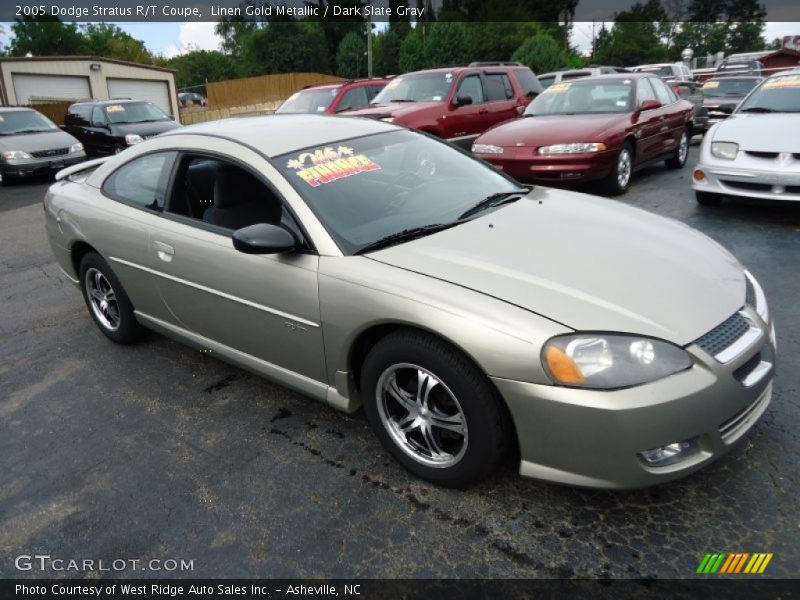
(84, 166)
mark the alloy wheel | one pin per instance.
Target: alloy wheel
(102, 299)
(624, 167)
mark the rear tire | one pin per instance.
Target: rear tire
(617, 182)
(708, 198)
(108, 304)
(678, 158)
(434, 411)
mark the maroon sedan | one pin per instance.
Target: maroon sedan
(595, 128)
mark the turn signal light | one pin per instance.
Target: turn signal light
(699, 175)
(562, 367)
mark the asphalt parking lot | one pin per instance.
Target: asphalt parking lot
(157, 451)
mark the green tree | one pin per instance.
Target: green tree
(108, 40)
(722, 25)
(541, 53)
(386, 53)
(45, 36)
(412, 51)
(635, 37)
(201, 66)
(448, 43)
(351, 56)
(284, 47)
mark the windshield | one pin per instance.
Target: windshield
(20, 122)
(134, 112)
(433, 87)
(583, 98)
(665, 71)
(308, 101)
(776, 94)
(728, 87)
(366, 189)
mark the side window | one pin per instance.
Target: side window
(98, 116)
(471, 86)
(644, 92)
(353, 98)
(663, 92)
(372, 91)
(79, 115)
(528, 82)
(141, 182)
(547, 81)
(498, 87)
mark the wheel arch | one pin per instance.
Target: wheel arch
(77, 251)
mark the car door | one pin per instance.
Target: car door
(649, 124)
(499, 98)
(264, 306)
(672, 120)
(467, 120)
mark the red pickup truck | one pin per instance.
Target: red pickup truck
(455, 103)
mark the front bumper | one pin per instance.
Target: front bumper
(39, 166)
(592, 438)
(523, 164)
(765, 177)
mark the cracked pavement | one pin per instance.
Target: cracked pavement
(160, 451)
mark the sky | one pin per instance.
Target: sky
(171, 39)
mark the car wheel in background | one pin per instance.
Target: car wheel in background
(618, 181)
(107, 301)
(708, 198)
(433, 409)
(678, 158)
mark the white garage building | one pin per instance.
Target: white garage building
(30, 80)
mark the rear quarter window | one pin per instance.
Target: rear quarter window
(141, 182)
(528, 82)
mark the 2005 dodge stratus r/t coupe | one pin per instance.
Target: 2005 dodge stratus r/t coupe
(365, 264)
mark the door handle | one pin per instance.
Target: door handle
(165, 251)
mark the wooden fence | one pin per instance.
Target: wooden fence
(55, 110)
(264, 88)
(200, 114)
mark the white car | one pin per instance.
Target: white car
(756, 152)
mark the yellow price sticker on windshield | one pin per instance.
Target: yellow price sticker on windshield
(558, 88)
(115, 108)
(2, 120)
(783, 82)
(711, 85)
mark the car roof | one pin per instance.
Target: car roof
(110, 101)
(16, 109)
(612, 76)
(795, 71)
(274, 135)
(665, 64)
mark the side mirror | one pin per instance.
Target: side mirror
(462, 101)
(650, 105)
(263, 238)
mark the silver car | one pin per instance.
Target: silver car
(755, 153)
(365, 264)
(31, 144)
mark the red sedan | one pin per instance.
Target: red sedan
(596, 128)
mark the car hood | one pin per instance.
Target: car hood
(761, 132)
(393, 109)
(553, 129)
(589, 263)
(721, 100)
(36, 142)
(148, 129)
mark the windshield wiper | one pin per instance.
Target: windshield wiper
(493, 201)
(405, 236)
(404, 100)
(758, 109)
(20, 131)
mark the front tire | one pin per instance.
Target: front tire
(108, 304)
(678, 159)
(433, 409)
(708, 198)
(618, 181)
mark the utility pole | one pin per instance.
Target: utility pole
(369, 43)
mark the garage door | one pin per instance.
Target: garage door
(156, 92)
(63, 87)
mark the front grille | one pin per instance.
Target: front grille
(724, 335)
(750, 293)
(748, 185)
(736, 425)
(762, 154)
(742, 372)
(49, 153)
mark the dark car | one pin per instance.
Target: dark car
(332, 98)
(109, 126)
(456, 103)
(595, 128)
(721, 95)
(741, 65)
(192, 99)
(31, 144)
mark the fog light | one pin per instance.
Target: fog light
(699, 175)
(670, 454)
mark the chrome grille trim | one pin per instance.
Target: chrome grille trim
(49, 153)
(730, 339)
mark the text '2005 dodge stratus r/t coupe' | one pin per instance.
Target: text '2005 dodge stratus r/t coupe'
(365, 264)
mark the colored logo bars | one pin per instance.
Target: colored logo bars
(737, 562)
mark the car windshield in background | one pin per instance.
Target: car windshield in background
(308, 101)
(20, 122)
(776, 94)
(665, 71)
(365, 190)
(433, 87)
(728, 87)
(134, 112)
(583, 98)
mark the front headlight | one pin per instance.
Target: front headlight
(15, 155)
(76, 148)
(486, 149)
(577, 148)
(755, 297)
(726, 150)
(132, 138)
(610, 361)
